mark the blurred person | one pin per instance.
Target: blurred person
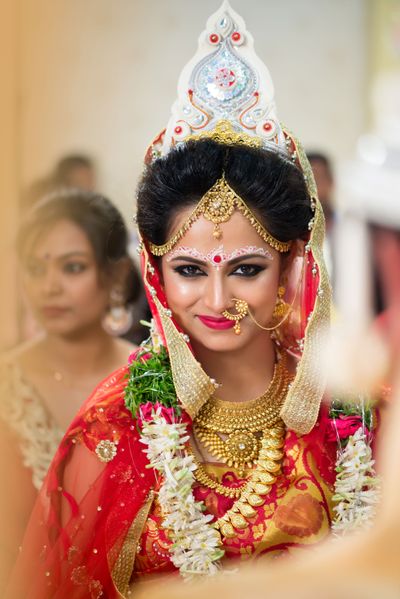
(75, 171)
(385, 243)
(323, 175)
(238, 452)
(380, 307)
(80, 282)
(324, 180)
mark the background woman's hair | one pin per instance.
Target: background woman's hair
(96, 216)
(271, 186)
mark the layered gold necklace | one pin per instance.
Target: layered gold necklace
(233, 432)
(254, 492)
(243, 435)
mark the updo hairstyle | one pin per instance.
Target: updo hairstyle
(272, 186)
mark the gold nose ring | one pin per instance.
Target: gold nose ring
(242, 308)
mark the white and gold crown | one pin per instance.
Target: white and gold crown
(225, 93)
(225, 89)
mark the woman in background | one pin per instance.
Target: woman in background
(78, 278)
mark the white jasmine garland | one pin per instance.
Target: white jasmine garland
(196, 546)
(356, 487)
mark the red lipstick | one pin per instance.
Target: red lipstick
(218, 323)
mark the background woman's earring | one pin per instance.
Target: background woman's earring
(118, 319)
(242, 308)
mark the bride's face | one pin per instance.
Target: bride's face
(202, 275)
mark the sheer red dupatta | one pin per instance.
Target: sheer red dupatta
(76, 542)
(82, 536)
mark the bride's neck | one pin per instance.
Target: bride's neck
(242, 374)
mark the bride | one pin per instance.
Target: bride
(212, 445)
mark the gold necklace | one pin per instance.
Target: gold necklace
(242, 423)
(265, 475)
(254, 492)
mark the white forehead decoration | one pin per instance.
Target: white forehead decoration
(226, 82)
(218, 256)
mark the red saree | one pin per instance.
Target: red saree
(96, 527)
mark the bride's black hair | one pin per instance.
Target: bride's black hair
(273, 187)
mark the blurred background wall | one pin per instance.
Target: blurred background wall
(9, 171)
(99, 76)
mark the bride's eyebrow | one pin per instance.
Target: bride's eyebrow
(188, 259)
(246, 257)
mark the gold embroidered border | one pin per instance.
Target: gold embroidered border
(301, 407)
(192, 385)
(123, 567)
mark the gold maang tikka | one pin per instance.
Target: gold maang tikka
(217, 206)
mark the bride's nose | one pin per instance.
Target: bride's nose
(216, 294)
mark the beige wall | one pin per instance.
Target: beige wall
(385, 72)
(99, 76)
(9, 171)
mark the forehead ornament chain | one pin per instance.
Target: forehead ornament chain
(217, 206)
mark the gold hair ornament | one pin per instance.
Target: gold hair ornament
(217, 206)
(224, 133)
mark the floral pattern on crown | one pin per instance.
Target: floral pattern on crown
(224, 81)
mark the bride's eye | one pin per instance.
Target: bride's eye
(247, 270)
(190, 271)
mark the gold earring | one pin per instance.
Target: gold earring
(242, 308)
(281, 307)
(281, 312)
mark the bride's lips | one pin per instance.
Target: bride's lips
(219, 323)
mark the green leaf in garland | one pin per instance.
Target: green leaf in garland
(150, 380)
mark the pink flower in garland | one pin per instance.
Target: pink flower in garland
(146, 411)
(344, 426)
